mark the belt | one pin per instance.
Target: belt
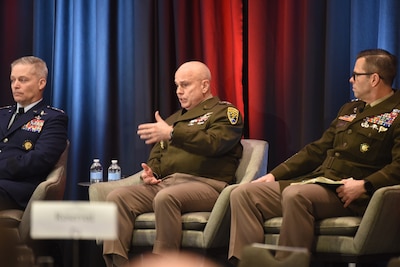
(343, 167)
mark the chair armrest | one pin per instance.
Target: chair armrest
(254, 161)
(99, 191)
(252, 165)
(379, 230)
(219, 221)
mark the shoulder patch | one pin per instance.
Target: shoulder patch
(56, 109)
(233, 115)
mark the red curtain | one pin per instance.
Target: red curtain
(285, 77)
(16, 40)
(211, 31)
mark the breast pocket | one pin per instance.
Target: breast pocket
(370, 144)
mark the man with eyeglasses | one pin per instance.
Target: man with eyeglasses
(359, 149)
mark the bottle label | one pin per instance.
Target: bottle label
(96, 177)
(113, 176)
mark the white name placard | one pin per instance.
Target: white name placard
(73, 220)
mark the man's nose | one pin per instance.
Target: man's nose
(15, 84)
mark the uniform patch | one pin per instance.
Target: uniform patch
(381, 122)
(35, 125)
(347, 117)
(233, 115)
(200, 120)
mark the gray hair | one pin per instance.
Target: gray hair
(40, 66)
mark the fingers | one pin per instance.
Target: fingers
(154, 132)
(145, 167)
(157, 116)
(146, 131)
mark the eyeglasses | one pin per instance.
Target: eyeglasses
(355, 74)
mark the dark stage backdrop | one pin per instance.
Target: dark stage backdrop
(285, 64)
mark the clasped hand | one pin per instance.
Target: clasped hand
(350, 190)
(155, 132)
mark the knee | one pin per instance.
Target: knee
(115, 195)
(238, 193)
(293, 196)
(164, 198)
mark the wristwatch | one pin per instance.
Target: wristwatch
(369, 187)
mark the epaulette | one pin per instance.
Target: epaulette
(56, 109)
(5, 107)
(225, 103)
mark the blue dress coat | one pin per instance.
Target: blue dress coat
(30, 148)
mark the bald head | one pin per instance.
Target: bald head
(196, 68)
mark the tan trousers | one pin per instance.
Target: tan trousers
(299, 205)
(176, 194)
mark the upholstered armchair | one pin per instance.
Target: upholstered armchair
(373, 237)
(201, 230)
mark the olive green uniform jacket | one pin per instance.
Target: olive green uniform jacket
(360, 143)
(205, 142)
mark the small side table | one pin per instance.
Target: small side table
(84, 184)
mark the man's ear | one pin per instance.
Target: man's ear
(42, 83)
(205, 85)
(375, 79)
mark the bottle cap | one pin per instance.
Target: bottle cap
(96, 160)
(114, 161)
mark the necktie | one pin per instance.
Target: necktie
(19, 113)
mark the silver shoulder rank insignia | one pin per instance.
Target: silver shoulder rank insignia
(5, 107)
(56, 109)
(233, 115)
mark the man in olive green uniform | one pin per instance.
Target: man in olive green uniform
(196, 153)
(361, 148)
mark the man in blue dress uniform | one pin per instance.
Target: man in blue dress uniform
(32, 134)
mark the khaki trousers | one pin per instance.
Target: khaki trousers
(299, 205)
(176, 194)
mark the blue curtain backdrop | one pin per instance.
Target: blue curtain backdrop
(112, 64)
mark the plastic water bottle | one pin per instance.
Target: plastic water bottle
(96, 172)
(114, 171)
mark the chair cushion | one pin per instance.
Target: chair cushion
(10, 218)
(345, 226)
(191, 221)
